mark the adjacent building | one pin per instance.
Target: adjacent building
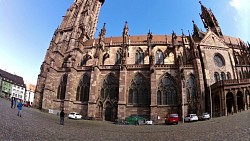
(12, 85)
(149, 75)
(29, 93)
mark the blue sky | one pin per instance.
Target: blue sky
(27, 26)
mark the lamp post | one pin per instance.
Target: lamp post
(183, 101)
(183, 96)
(209, 79)
(211, 103)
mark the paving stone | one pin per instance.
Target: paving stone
(36, 125)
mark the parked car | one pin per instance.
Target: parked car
(172, 119)
(204, 116)
(191, 117)
(135, 120)
(27, 104)
(74, 115)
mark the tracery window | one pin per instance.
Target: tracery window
(223, 76)
(139, 91)
(110, 89)
(118, 58)
(229, 75)
(241, 76)
(191, 92)
(216, 76)
(83, 89)
(167, 91)
(159, 59)
(105, 57)
(139, 57)
(85, 60)
(62, 87)
(245, 74)
(219, 60)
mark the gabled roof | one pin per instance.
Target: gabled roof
(212, 39)
(233, 40)
(11, 77)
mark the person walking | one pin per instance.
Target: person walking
(19, 108)
(12, 102)
(62, 114)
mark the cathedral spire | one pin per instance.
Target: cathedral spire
(102, 35)
(125, 33)
(195, 28)
(103, 31)
(149, 37)
(174, 38)
(209, 20)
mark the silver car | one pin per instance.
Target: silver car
(74, 115)
(191, 117)
(204, 116)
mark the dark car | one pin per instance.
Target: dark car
(172, 119)
(134, 120)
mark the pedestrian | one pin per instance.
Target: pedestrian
(62, 117)
(19, 108)
(12, 102)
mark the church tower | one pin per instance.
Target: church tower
(78, 26)
(209, 20)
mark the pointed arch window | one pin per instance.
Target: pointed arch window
(223, 76)
(139, 91)
(245, 74)
(83, 89)
(159, 57)
(219, 60)
(241, 76)
(159, 97)
(105, 57)
(216, 76)
(229, 75)
(85, 60)
(62, 87)
(139, 57)
(167, 91)
(118, 58)
(191, 92)
(110, 89)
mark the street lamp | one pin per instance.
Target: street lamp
(211, 106)
(209, 79)
(183, 94)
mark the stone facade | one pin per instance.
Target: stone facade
(149, 75)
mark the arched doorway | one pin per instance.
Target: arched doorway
(108, 111)
(217, 106)
(100, 110)
(230, 102)
(240, 102)
(108, 98)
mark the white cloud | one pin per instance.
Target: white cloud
(242, 8)
(235, 3)
(235, 19)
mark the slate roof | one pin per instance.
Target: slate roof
(18, 80)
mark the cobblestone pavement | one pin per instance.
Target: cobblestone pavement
(36, 125)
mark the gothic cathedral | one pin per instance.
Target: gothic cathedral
(112, 78)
